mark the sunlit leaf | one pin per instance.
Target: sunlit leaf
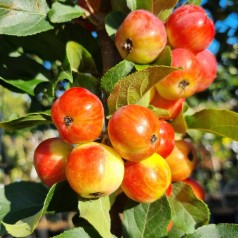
(22, 18)
(218, 121)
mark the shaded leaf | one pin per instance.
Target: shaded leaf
(96, 212)
(27, 85)
(112, 21)
(188, 213)
(163, 8)
(194, 2)
(31, 119)
(140, 4)
(165, 57)
(79, 58)
(78, 232)
(131, 89)
(218, 121)
(22, 18)
(215, 231)
(146, 220)
(113, 75)
(61, 12)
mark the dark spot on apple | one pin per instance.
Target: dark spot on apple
(153, 139)
(190, 156)
(183, 84)
(68, 120)
(127, 46)
(96, 194)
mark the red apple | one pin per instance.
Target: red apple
(94, 169)
(50, 159)
(208, 64)
(181, 83)
(78, 115)
(147, 180)
(182, 160)
(166, 139)
(173, 107)
(134, 132)
(141, 37)
(189, 27)
(197, 188)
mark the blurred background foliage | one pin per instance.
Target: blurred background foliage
(218, 168)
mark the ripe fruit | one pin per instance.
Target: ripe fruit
(78, 115)
(141, 37)
(173, 107)
(50, 159)
(134, 132)
(181, 83)
(197, 188)
(182, 160)
(166, 139)
(189, 27)
(147, 180)
(94, 169)
(208, 64)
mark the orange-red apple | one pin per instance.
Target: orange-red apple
(147, 180)
(50, 159)
(94, 169)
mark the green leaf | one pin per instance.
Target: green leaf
(163, 8)
(31, 119)
(79, 58)
(140, 4)
(131, 89)
(165, 57)
(194, 2)
(215, 231)
(78, 232)
(188, 213)
(96, 212)
(61, 12)
(22, 18)
(27, 85)
(21, 206)
(113, 75)
(112, 21)
(146, 220)
(218, 121)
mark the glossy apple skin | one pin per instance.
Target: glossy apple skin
(181, 83)
(208, 64)
(166, 139)
(173, 107)
(147, 180)
(78, 115)
(50, 159)
(189, 27)
(182, 160)
(141, 37)
(134, 132)
(94, 170)
(197, 188)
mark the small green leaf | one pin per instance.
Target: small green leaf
(146, 220)
(188, 213)
(112, 21)
(96, 212)
(132, 88)
(31, 119)
(194, 2)
(215, 231)
(25, 85)
(165, 57)
(61, 12)
(163, 8)
(22, 18)
(218, 121)
(140, 4)
(78, 232)
(79, 58)
(113, 75)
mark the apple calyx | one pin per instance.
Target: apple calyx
(128, 46)
(183, 84)
(154, 138)
(68, 120)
